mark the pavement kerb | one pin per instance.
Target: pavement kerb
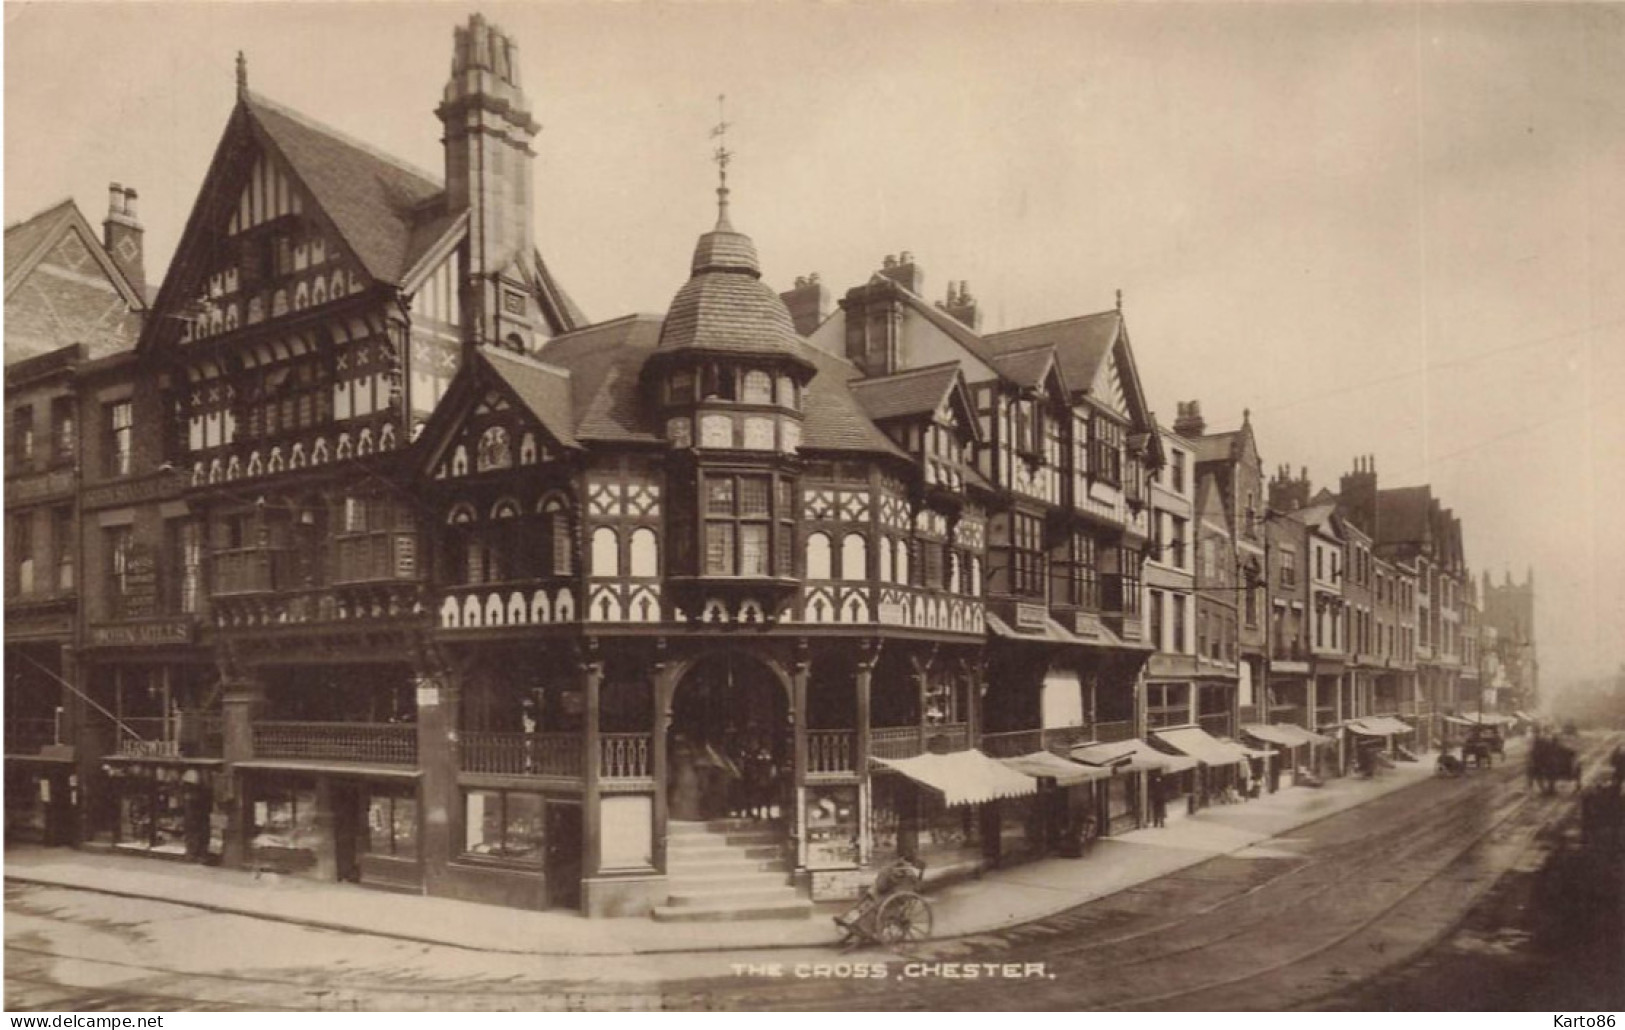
(1072, 901)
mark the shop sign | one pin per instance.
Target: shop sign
(148, 633)
(140, 597)
(428, 695)
(128, 492)
(1031, 616)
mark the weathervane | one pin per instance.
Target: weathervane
(722, 156)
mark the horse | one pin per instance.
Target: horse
(1550, 761)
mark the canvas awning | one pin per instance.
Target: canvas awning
(964, 777)
(1287, 734)
(1453, 720)
(1053, 766)
(1129, 756)
(1384, 726)
(1523, 715)
(1200, 745)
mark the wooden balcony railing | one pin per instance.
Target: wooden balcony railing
(1012, 743)
(382, 743)
(252, 570)
(625, 756)
(521, 754)
(831, 751)
(27, 736)
(908, 741)
(1111, 732)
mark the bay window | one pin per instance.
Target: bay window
(748, 526)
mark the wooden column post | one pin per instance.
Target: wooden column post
(243, 698)
(800, 673)
(666, 672)
(867, 657)
(438, 696)
(591, 671)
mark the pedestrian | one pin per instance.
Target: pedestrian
(1159, 802)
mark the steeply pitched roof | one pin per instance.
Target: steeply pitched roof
(545, 391)
(1215, 446)
(833, 421)
(28, 240)
(375, 201)
(917, 391)
(1026, 367)
(1402, 514)
(1081, 343)
(605, 362)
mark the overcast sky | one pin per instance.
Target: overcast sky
(1385, 229)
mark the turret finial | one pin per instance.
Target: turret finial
(1119, 300)
(242, 75)
(722, 156)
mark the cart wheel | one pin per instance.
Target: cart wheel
(904, 918)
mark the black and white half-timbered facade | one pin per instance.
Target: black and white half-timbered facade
(681, 615)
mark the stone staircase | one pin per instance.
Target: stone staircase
(728, 869)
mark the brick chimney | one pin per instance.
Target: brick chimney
(961, 305)
(809, 303)
(1357, 494)
(1288, 494)
(901, 269)
(124, 236)
(1189, 422)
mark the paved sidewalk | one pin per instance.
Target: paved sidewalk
(997, 900)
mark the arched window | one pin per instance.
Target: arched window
(818, 556)
(885, 560)
(854, 557)
(558, 549)
(644, 559)
(975, 576)
(900, 564)
(953, 572)
(606, 552)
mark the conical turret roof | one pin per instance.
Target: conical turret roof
(725, 306)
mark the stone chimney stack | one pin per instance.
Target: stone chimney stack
(1357, 492)
(1189, 422)
(961, 305)
(488, 132)
(901, 269)
(124, 236)
(809, 303)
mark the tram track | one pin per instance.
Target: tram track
(1238, 920)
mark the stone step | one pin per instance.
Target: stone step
(716, 850)
(750, 838)
(730, 866)
(748, 879)
(798, 908)
(737, 895)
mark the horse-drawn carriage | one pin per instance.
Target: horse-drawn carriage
(1483, 745)
(1551, 760)
(890, 912)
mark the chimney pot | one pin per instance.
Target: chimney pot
(129, 202)
(115, 199)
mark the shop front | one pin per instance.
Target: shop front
(41, 799)
(959, 812)
(333, 822)
(162, 807)
(1293, 748)
(1227, 770)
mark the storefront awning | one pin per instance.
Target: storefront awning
(161, 760)
(1455, 721)
(964, 777)
(1063, 772)
(1524, 716)
(1380, 726)
(1286, 734)
(1129, 756)
(1200, 745)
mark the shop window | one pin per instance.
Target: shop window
(832, 826)
(392, 824)
(504, 825)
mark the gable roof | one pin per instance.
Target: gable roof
(30, 240)
(1027, 367)
(1080, 343)
(544, 390)
(916, 391)
(374, 201)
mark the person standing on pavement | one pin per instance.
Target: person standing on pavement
(1159, 801)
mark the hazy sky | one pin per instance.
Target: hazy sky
(1386, 229)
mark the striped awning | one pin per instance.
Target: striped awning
(963, 777)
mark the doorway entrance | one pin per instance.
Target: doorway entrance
(730, 742)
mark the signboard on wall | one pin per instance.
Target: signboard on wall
(141, 634)
(140, 597)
